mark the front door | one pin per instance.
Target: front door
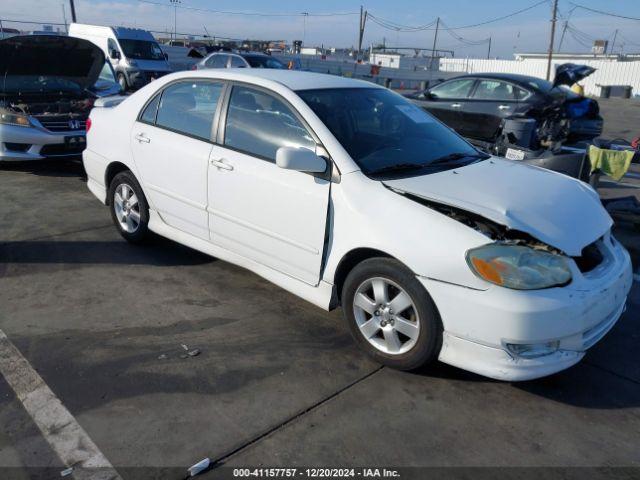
(490, 103)
(273, 216)
(447, 100)
(171, 143)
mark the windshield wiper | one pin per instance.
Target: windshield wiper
(397, 168)
(452, 157)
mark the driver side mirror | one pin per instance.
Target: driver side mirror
(114, 54)
(300, 159)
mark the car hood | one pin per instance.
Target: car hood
(553, 208)
(570, 73)
(73, 59)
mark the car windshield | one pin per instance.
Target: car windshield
(386, 134)
(259, 61)
(141, 49)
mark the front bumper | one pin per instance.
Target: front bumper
(33, 143)
(139, 78)
(479, 324)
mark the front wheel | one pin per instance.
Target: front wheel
(122, 80)
(129, 208)
(390, 314)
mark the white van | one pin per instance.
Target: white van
(134, 54)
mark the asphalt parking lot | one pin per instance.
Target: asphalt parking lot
(277, 382)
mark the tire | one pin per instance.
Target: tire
(122, 80)
(129, 207)
(405, 339)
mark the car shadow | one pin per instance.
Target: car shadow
(157, 251)
(47, 168)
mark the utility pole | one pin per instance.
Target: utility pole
(564, 30)
(175, 17)
(489, 52)
(554, 19)
(73, 11)
(613, 44)
(435, 40)
(64, 17)
(304, 26)
(363, 21)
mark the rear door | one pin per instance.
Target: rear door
(447, 100)
(490, 102)
(258, 210)
(171, 143)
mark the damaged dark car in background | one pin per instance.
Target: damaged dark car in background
(49, 85)
(517, 116)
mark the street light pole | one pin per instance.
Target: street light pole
(304, 26)
(554, 19)
(175, 17)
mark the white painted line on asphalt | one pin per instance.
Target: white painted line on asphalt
(59, 428)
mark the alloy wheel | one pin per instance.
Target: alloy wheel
(127, 208)
(386, 316)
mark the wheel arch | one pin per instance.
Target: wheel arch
(112, 170)
(347, 263)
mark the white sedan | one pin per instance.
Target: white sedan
(344, 193)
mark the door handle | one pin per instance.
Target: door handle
(142, 138)
(455, 105)
(221, 164)
(504, 107)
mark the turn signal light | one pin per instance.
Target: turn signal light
(88, 127)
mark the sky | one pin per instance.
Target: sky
(525, 32)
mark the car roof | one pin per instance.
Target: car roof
(292, 79)
(511, 77)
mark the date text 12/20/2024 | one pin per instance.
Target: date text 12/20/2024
(315, 473)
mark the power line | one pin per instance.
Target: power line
(253, 14)
(601, 12)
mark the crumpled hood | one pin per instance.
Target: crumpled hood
(74, 59)
(570, 73)
(555, 209)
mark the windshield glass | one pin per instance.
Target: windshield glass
(107, 74)
(141, 49)
(384, 132)
(259, 61)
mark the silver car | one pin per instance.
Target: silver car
(48, 89)
(239, 60)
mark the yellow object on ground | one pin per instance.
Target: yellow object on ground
(614, 163)
(577, 88)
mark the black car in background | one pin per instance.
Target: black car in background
(476, 105)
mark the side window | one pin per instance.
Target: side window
(520, 93)
(237, 62)
(111, 46)
(189, 108)
(149, 113)
(217, 61)
(453, 89)
(259, 124)
(494, 90)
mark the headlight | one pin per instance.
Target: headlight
(518, 267)
(14, 119)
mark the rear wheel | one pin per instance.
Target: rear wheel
(390, 315)
(129, 208)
